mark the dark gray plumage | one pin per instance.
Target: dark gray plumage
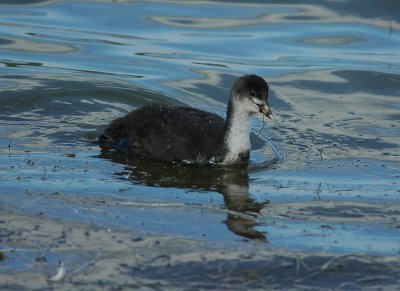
(188, 135)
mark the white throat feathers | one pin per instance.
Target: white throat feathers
(237, 138)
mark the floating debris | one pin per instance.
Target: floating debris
(60, 273)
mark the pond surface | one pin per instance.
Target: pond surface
(323, 176)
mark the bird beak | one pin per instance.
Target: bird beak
(264, 109)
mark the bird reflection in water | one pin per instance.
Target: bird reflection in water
(232, 182)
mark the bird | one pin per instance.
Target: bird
(186, 135)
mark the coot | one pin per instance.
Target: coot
(187, 135)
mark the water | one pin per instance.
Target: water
(323, 177)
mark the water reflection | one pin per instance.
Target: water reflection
(232, 182)
(352, 113)
(22, 45)
(270, 14)
(332, 65)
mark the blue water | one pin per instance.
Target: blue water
(70, 67)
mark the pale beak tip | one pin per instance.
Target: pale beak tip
(268, 113)
(265, 110)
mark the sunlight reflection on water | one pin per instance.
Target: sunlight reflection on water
(334, 80)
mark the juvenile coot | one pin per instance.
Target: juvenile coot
(188, 135)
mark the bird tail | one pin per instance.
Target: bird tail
(106, 142)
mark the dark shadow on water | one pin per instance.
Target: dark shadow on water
(232, 182)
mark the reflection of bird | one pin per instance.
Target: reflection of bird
(188, 135)
(232, 182)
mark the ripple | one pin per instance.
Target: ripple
(333, 40)
(325, 169)
(23, 45)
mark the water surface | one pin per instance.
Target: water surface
(323, 177)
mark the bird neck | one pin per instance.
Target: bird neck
(236, 135)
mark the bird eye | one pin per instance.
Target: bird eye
(252, 93)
